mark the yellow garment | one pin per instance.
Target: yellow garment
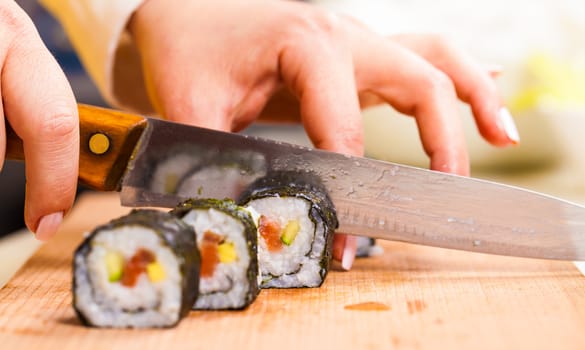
(97, 31)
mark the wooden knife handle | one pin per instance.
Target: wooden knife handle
(107, 141)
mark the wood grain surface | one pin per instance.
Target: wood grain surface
(411, 297)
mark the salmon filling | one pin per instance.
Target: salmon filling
(215, 250)
(270, 231)
(274, 235)
(128, 272)
(209, 253)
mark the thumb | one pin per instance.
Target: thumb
(41, 108)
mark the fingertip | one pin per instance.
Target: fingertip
(349, 251)
(494, 70)
(48, 226)
(344, 250)
(497, 126)
(507, 124)
(338, 245)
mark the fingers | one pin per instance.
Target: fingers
(413, 86)
(473, 82)
(40, 107)
(344, 249)
(321, 75)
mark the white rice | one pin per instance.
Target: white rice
(110, 304)
(296, 265)
(229, 285)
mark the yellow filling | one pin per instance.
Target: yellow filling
(227, 252)
(114, 266)
(155, 272)
(290, 231)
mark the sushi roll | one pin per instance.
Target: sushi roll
(138, 271)
(296, 224)
(227, 238)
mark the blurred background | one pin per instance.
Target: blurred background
(540, 45)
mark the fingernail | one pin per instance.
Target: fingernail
(48, 225)
(494, 69)
(507, 123)
(348, 253)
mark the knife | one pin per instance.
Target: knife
(157, 163)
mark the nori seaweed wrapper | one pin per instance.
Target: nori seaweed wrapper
(239, 213)
(174, 233)
(305, 185)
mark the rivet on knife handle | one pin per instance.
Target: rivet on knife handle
(107, 141)
(99, 143)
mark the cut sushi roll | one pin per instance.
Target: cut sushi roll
(227, 237)
(296, 224)
(140, 270)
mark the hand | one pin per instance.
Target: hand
(40, 106)
(223, 64)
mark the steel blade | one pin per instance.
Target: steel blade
(373, 198)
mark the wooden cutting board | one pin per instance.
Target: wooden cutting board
(411, 297)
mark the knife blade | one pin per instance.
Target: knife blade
(157, 163)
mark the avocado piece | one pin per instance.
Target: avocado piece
(114, 266)
(290, 231)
